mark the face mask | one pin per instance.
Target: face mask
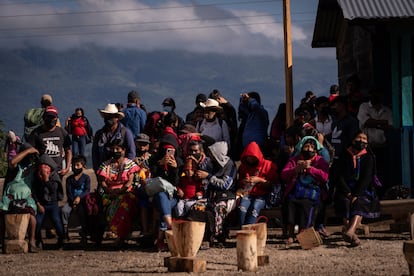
(77, 171)
(197, 156)
(325, 110)
(252, 164)
(141, 152)
(109, 122)
(308, 154)
(116, 155)
(50, 123)
(167, 108)
(359, 145)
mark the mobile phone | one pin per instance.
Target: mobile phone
(170, 151)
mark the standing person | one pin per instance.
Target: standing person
(168, 105)
(219, 180)
(212, 125)
(48, 192)
(323, 120)
(80, 128)
(229, 115)
(355, 195)
(305, 176)
(257, 119)
(376, 119)
(135, 116)
(33, 117)
(333, 92)
(344, 125)
(115, 178)
(112, 130)
(78, 186)
(53, 140)
(256, 177)
(197, 114)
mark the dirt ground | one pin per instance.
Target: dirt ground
(380, 254)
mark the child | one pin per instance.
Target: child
(47, 189)
(78, 185)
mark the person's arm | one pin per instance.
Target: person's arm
(21, 155)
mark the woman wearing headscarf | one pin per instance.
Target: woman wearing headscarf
(305, 176)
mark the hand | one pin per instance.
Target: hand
(63, 172)
(201, 174)
(76, 200)
(170, 161)
(180, 193)
(40, 208)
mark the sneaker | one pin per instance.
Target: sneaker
(50, 233)
(33, 248)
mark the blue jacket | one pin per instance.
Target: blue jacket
(134, 119)
(257, 122)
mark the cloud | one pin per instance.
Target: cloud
(135, 25)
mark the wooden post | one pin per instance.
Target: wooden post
(408, 250)
(16, 228)
(412, 225)
(261, 235)
(171, 246)
(288, 63)
(187, 236)
(246, 250)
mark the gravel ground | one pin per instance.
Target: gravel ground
(380, 254)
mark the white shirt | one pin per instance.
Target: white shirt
(324, 127)
(366, 111)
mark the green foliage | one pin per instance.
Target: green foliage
(3, 163)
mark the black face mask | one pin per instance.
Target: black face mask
(116, 155)
(359, 145)
(50, 123)
(307, 154)
(141, 152)
(197, 156)
(109, 122)
(252, 164)
(325, 110)
(77, 171)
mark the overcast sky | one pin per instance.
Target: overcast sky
(218, 26)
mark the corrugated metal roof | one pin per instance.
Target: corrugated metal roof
(376, 9)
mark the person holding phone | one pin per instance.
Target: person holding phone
(166, 164)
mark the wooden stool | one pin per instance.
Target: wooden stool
(408, 250)
(171, 246)
(261, 235)
(246, 250)
(16, 228)
(187, 237)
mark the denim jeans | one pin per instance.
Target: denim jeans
(78, 145)
(250, 207)
(51, 210)
(164, 204)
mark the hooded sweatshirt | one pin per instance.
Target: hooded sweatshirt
(265, 169)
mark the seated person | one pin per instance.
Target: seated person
(78, 186)
(115, 177)
(220, 186)
(48, 191)
(305, 176)
(17, 196)
(256, 176)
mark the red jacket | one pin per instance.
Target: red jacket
(265, 169)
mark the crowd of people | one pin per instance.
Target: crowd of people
(219, 165)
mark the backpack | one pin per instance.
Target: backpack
(33, 118)
(154, 124)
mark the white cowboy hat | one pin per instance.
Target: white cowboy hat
(111, 109)
(211, 104)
